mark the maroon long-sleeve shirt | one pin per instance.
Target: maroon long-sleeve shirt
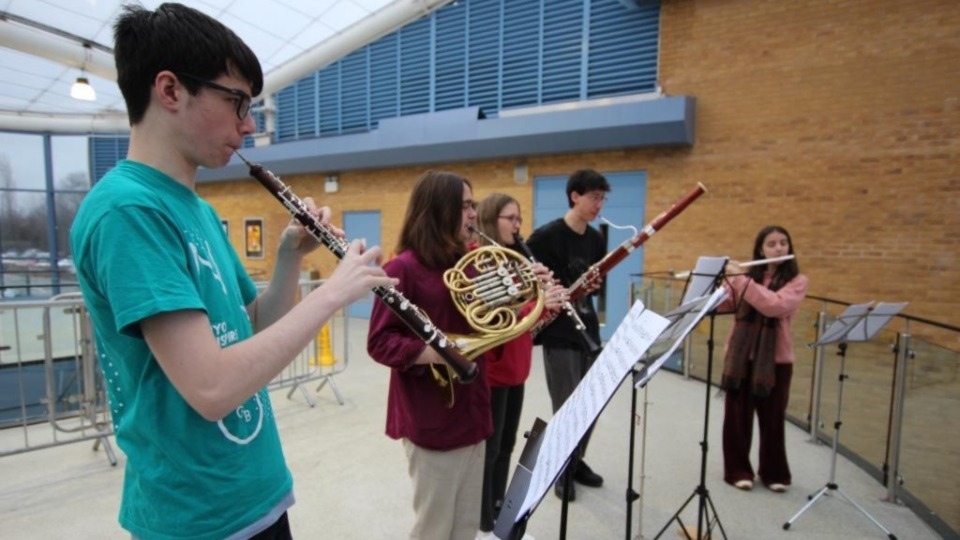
(416, 405)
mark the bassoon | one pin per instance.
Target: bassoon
(410, 314)
(589, 280)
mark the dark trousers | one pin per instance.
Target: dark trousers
(280, 530)
(771, 413)
(564, 368)
(506, 403)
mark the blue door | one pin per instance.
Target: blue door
(624, 207)
(365, 226)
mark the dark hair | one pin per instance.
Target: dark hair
(585, 180)
(179, 39)
(786, 271)
(431, 226)
(488, 215)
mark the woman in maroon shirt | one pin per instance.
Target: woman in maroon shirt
(444, 443)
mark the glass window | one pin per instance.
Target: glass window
(34, 261)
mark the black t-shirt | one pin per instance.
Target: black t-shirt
(569, 255)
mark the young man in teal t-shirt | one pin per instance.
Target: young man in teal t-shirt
(185, 342)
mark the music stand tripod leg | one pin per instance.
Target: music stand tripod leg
(704, 504)
(832, 483)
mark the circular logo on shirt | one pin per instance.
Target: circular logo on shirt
(243, 425)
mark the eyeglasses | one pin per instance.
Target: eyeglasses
(469, 205)
(242, 98)
(597, 198)
(513, 219)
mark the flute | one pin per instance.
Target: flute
(411, 315)
(758, 262)
(590, 279)
(686, 273)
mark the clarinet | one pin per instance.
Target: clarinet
(568, 308)
(410, 314)
(591, 278)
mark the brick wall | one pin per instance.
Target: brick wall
(839, 120)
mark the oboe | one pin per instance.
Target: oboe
(591, 278)
(567, 306)
(410, 314)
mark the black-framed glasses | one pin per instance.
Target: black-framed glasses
(243, 99)
(513, 219)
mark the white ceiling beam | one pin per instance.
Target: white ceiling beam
(66, 124)
(57, 49)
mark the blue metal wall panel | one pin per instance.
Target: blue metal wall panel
(354, 92)
(105, 152)
(384, 78)
(483, 42)
(305, 102)
(286, 123)
(492, 54)
(450, 59)
(562, 50)
(623, 49)
(521, 53)
(415, 68)
(462, 134)
(329, 81)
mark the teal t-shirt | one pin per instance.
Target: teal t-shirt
(145, 244)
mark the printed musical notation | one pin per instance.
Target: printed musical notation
(633, 337)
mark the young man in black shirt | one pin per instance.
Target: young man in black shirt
(569, 246)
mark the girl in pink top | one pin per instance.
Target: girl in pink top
(759, 358)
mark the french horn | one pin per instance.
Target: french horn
(489, 286)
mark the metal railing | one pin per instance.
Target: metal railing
(51, 386)
(901, 394)
(52, 391)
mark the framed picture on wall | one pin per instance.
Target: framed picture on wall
(253, 237)
(225, 223)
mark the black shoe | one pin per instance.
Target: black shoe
(571, 491)
(586, 476)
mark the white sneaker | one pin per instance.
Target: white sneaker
(485, 535)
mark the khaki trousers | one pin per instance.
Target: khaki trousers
(447, 491)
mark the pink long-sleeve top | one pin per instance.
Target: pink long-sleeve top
(782, 304)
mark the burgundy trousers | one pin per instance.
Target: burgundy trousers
(771, 413)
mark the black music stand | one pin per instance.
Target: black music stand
(549, 448)
(704, 279)
(859, 322)
(683, 320)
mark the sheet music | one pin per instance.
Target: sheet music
(633, 337)
(685, 318)
(704, 277)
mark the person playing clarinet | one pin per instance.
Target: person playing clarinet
(498, 222)
(186, 343)
(759, 359)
